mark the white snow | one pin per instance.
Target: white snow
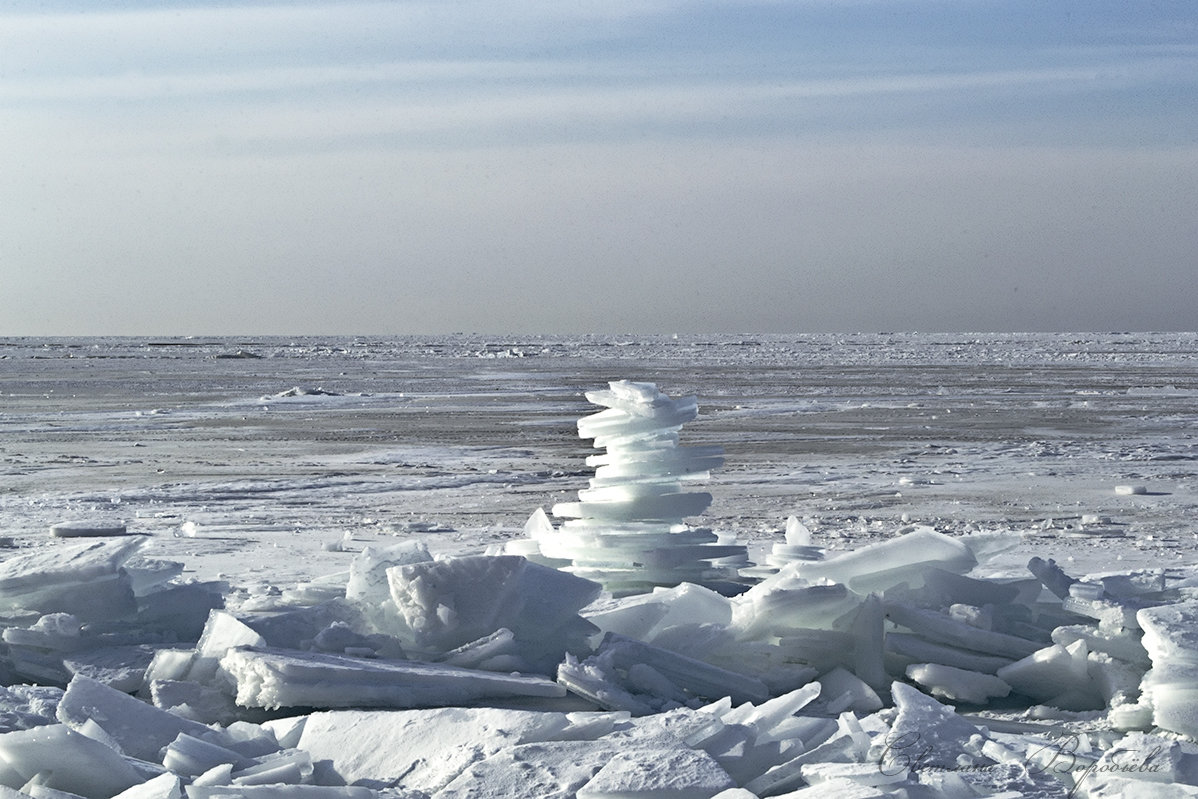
(246, 659)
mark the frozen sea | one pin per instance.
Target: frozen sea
(273, 460)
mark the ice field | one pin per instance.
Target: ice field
(885, 565)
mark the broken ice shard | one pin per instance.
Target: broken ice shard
(627, 530)
(63, 760)
(621, 663)
(139, 729)
(86, 580)
(1171, 687)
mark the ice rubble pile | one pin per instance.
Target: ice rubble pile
(400, 679)
(627, 530)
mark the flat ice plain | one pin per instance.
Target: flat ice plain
(457, 440)
(269, 462)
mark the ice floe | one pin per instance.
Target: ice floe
(901, 668)
(398, 684)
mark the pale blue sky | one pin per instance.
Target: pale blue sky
(557, 167)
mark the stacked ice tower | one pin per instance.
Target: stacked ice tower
(627, 531)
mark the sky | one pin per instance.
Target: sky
(597, 166)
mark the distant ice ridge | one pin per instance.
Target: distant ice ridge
(627, 531)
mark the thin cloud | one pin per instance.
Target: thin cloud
(531, 75)
(505, 101)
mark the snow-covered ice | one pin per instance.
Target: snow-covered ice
(949, 598)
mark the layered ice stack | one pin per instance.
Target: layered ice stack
(627, 530)
(797, 547)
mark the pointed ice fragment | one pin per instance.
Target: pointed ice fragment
(925, 733)
(141, 730)
(64, 760)
(1054, 672)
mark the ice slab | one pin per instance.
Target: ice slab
(368, 570)
(913, 649)
(666, 773)
(943, 629)
(452, 602)
(190, 756)
(222, 632)
(846, 691)
(694, 676)
(180, 609)
(1057, 675)
(596, 680)
(425, 750)
(1052, 576)
(1171, 639)
(688, 604)
(83, 579)
(1170, 632)
(164, 786)
(61, 759)
(272, 678)
(139, 729)
(494, 652)
(890, 563)
(543, 770)
(633, 616)
(88, 529)
(772, 607)
(1171, 689)
(1123, 644)
(944, 588)
(958, 685)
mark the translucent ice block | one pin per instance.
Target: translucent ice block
(889, 563)
(284, 678)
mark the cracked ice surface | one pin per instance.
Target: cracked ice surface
(209, 650)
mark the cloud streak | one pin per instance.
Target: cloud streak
(526, 75)
(549, 166)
